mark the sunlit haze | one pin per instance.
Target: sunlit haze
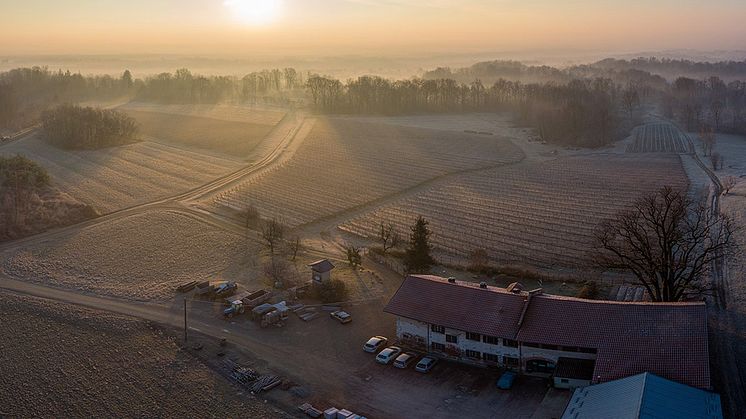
(246, 27)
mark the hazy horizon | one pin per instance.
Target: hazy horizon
(365, 27)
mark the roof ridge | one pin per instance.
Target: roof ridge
(642, 392)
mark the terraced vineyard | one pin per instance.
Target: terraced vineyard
(119, 177)
(658, 138)
(344, 164)
(541, 214)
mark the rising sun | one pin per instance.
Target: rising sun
(254, 12)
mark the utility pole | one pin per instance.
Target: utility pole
(185, 320)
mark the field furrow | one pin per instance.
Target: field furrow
(532, 213)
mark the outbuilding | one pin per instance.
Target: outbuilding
(321, 271)
(643, 396)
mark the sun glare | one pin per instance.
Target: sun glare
(254, 12)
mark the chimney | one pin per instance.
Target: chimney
(452, 280)
(483, 285)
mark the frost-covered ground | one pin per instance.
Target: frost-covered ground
(59, 360)
(119, 177)
(142, 257)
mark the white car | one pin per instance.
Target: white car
(341, 316)
(426, 364)
(388, 354)
(374, 344)
(404, 360)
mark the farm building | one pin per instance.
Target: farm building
(643, 396)
(321, 270)
(588, 341)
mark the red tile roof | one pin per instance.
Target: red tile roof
(668, 339)
(432, 299)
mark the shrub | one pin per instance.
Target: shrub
(332, 291)
(589, 291)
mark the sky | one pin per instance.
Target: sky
(337, 27)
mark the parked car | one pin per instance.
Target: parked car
(505, 382)
(388, 354)
(374, 344)
(404, 360)
(426, 364)
(341, 316)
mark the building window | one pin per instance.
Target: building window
(511, 362)
(510, 343)
(540, 366)
(438, 329)
(451, 338)
(491, 357)
(531, 345)
(492, 340)
(438, 346)
(473, 336)
(473, 354)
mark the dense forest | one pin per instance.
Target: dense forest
(704, 105)
(72, 126)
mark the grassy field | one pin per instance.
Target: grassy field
(533, 213)
(119, 177)
(223, 112)
(343, 164)
(60, 360)
(233, 138)
(142, 257)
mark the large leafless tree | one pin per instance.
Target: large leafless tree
(668, 241)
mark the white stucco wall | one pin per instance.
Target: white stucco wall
(417, 328)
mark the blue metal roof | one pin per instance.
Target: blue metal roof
(643, 396)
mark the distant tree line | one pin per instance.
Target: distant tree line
(26, 92)
(673, 68)
(581, 112)
(72, 126)
(185, 87)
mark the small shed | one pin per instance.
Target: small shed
(321, 271)
(573, 372)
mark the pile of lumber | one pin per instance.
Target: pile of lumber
(250, 379)
(306, 313)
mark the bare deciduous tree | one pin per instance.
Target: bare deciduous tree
(479, 260)
(252, 217)
(668, 242)
(295, 246)
(277, 271)
(354, 258)
(728, 184)
(273, 233)
(708, 140)
(715, 159)
(388, 236)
